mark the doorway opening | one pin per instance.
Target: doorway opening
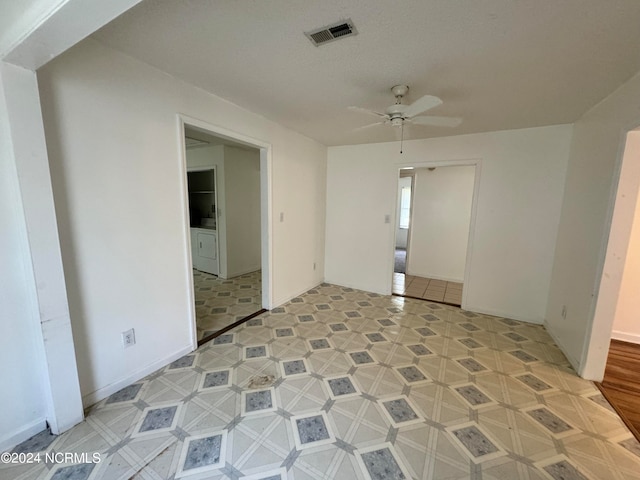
(434, 213)
(225, 189)
(405, 190)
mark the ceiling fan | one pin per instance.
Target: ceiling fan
(399, 114)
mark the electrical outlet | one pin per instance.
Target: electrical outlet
(564, 312)
(128, 338)
(387, 218)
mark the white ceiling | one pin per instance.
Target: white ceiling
(499, 64)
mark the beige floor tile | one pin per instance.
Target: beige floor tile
(414, 292)
(436, 289)
(436, 297)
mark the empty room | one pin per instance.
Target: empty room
(204, 207)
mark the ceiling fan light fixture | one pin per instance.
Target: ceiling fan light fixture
(399, 113)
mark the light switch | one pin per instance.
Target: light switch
(387, 218)
(281, 216)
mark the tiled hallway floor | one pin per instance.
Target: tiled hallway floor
(220, 302)
(344, 384)
(427, 288)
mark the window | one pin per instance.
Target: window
(405, 206)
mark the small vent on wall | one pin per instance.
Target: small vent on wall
(342, 29)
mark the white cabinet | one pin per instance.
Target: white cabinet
(204, 250)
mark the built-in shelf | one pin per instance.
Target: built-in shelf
(202, 197)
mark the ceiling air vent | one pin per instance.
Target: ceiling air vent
(320, 36)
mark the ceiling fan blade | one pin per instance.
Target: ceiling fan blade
(367, 111)
(422, 105)
(368, 126)
(436, 121)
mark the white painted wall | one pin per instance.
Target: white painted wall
(23, 401)
(440, 222)
(31, 34)
(242, 184)
(112, 132)
(402, 234)
(578, 277)
(626, 323)
(520, 192)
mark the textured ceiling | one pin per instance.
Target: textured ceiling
(498, 64)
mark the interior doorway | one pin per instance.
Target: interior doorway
(226, 212)
(403, 220)
(434, 213)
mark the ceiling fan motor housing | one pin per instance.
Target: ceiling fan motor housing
(399, 90)
(396, 114)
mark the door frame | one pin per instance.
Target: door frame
(395, 238)
(266, 220)
(612, 261)
(468, 265)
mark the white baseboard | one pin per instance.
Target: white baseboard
(8, 441)
(102, 393)
(625, 337)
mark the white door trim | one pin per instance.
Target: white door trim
(266, 195)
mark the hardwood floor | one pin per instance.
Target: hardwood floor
(621, 383)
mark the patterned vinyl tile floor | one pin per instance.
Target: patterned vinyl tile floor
(220, 302)
(344, 384)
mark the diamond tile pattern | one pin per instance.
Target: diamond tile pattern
(341, 386)
(493, 405)
(74, 472)
(400, 411)
(411, 374)
(564, 471)
(475, 441)
(158, 418)
(216, 379)
(549, 420)
(294, 367)
(203, 452)
(220, 302)
(473, 395)
(381, 465)
(256, 401)
(312, 429)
